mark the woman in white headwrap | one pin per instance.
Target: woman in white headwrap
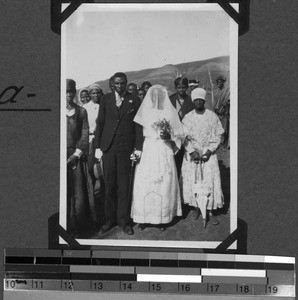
(200, 171)
(84, 97)
(156, 194)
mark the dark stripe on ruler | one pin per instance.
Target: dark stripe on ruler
(221, 264)
(77, 253)
(37, 275)
(164, 263)
(48, 260)
(192, 264)
(25, 109)
(103, 276)
(135, 262)
(76, 261)
(35, 268)
(277, 266)
(19, 260)
(47, 253)
(106, 261)
(19, 252)
(249, 265)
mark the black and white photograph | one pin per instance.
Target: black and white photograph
(140, 138)
(149, 125)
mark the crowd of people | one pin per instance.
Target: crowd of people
(138, 155)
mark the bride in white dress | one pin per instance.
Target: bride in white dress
(156, 194)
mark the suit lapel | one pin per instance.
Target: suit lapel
(125, 105)
(112, 104)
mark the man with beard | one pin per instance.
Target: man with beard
(116, 138)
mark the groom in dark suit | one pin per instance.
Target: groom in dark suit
(116, 138)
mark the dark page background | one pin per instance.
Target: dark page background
(267, 152)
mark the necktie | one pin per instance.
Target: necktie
(179, 106)
(119, 100)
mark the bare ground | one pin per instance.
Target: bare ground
(184, 228)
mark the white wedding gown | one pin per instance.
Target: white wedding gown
(156, 194)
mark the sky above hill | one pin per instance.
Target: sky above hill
(101, 39)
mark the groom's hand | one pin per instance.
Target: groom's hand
(136, 155)
(98, 154)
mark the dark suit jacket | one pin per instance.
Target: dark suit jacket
(187, 105)
(78, 131)
(111, 120)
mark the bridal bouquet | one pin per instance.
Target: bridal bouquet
(162, 125)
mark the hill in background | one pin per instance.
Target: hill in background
(166, 75)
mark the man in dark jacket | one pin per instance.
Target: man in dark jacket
(180, 100)
(183, 104)
(78, 208)
(116, 138)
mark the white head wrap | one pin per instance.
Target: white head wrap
(198, 93)
(78, 100)
(94, 86)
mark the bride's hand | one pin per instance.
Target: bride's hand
(165, 135)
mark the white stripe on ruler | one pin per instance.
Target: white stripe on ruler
(233, 272)
(169, 278)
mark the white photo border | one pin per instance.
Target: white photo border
(233, 126)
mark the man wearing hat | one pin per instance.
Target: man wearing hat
(77, 148)
(116, 138)
(94, 182)
(222, 107)
(203, 132)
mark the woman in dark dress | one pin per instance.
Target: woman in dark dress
(77, 147)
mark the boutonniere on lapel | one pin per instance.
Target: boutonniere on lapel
(131, 107)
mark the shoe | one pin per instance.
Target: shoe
(162, 227)
(105, 228)
(128, 230)
(142, 226)
(194, 214)
(212, 220)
